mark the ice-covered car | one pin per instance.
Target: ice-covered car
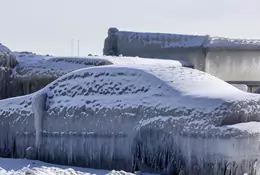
(167, 119)
(31, 72)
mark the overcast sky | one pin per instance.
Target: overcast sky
(47, 26)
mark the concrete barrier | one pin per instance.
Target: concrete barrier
(228, 59)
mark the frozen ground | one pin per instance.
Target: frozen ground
(31, 167)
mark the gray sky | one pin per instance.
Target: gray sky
(47, 26)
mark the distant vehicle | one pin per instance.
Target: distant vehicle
(174, 120)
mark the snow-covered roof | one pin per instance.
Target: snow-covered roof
(165, 87)
(7, 59)
(38, 65)
(228, 43)
(183, 103)
(164, 40)
(167, 40)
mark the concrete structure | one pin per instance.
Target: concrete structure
(234, 60)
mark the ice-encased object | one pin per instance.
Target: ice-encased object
(163, 118)
(7, 62)
(32, 71)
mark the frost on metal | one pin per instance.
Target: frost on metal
(168, 119)
(34, 72)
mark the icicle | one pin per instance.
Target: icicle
(38, 108)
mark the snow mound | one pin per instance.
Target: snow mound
(136, 116)
(30, 167)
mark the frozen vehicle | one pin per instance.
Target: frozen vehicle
(167, 119)
(29, 72)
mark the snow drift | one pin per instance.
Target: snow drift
(33, 71)
(160, 118)
(32, 167)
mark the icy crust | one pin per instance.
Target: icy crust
(228, 43)
(137, 117)
(208, 100)
(33, 65)
(16, 122)
(7, 62)
(166, 40)
(36, 71)
(4, 49)
(163, 40)
(7, 59)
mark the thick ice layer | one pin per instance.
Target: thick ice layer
(164, 40)
(7, 59)
(33, 65)
(36, 71)
(7, 62)
(4, 49)
(167, 40)
(153, 118)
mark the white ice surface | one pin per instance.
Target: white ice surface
(160, 86)
(39, 65)
(167, 40)
(221, 42)
(169, 87)
(32, 167)
(4, 49)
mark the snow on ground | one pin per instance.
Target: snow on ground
(33, 167)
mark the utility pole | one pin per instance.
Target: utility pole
(72, 46)
(78, 48)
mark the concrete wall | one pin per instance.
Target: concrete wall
(235, 60)
(234, 65)
(157, 45)
(196, 56)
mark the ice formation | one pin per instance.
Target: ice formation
(242, 87)
(117, 40)
(32, 72)
(148, 117)
(7, 62)
(221, 42)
